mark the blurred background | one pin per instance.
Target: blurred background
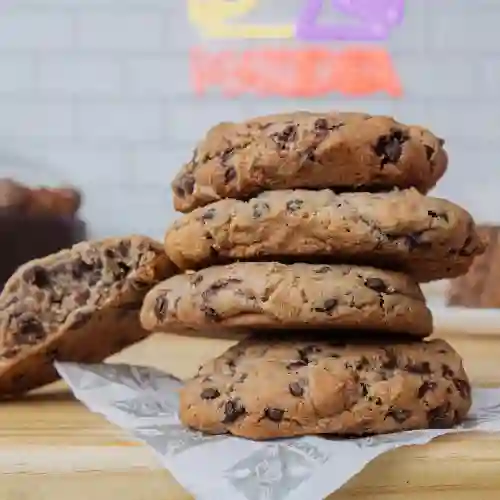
(110, 96)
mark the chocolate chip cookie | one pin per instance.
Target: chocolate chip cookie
(81, 305)
(273, 389)
(428, 238)
(273, 295)
(346, 151)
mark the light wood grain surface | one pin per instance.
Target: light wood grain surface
(52, 448)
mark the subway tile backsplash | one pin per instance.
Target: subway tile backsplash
(97, 92)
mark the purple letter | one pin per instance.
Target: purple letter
(375, 18)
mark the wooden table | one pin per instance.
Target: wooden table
(52, 448)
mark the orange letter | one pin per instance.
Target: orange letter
(208, 70)
(365, 71)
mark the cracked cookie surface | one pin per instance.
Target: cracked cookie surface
(429, 238)
(81, 305)
(264, 389)
(273, 295)
(346, 151)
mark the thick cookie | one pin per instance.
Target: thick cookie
(347, 151)
(272, 295)
(428, 238)
(81, 305)
(274, 389)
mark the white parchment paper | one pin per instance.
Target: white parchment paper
(144, 402)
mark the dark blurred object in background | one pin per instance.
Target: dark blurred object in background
(480, 287)
(35, 222)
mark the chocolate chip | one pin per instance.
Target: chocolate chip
(185, 186)
(438, 418)
(209, 393)
(435, 215)
(322, 269)
(80, 319)
(30, 330)
(414, 240)
(429, 152)
(294, 365)
(376, 284)
(423, 368)
(362, 363)
(321, 125)
(447, 371)
(123, 248)
(425, 388)
(208, 214)
(399, 415)
(226, 154)
(441, 142)
(391, 362)
(287, 135)
(296, 389)
(390, 147)
(233, 410)
(160, 308)
(210, 313)
(328, 306)
(364, 389)
(294, 205)
(37, 276)
(309, 153)
(462, 387)
(80, 267)
(219, 285)
(229, 175)
(198, 278)
(259, 209)
(274, 414)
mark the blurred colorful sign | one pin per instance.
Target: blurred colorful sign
(302, 72)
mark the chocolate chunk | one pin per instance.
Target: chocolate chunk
(160, 308)
(321, 125)
(185, 186)
(219, 285)
(80, 319)
(429, 152)
(226, 154)
(294, 205)
(323, 269)
(208, 214)
(37, 276)
(364, 389)
(210, 313)
(462, 387)
(209, 393)
(283, 138)
(362, 363)
(123, 248)
(233, 410)
(198, 278)
(229, 175)
(294, 365)
(391, 362)
(328, 306)
(447, 371)
(259, 209)
(390, 147)
(80, 268)
(423, 368)
(438, 418)
(30, 330)
(274, 414)
(296, 389)
(376, 284)
(399, 415)
(426, 387)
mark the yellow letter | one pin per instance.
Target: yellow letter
(212, 18)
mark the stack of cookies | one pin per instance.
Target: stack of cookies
(312, 232)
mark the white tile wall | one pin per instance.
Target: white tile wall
(96, 92)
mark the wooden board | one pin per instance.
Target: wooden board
(51, 447)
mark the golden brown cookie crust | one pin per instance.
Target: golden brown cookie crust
(273, 295)
(426, 237)
(262, 389)
(347, 151)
